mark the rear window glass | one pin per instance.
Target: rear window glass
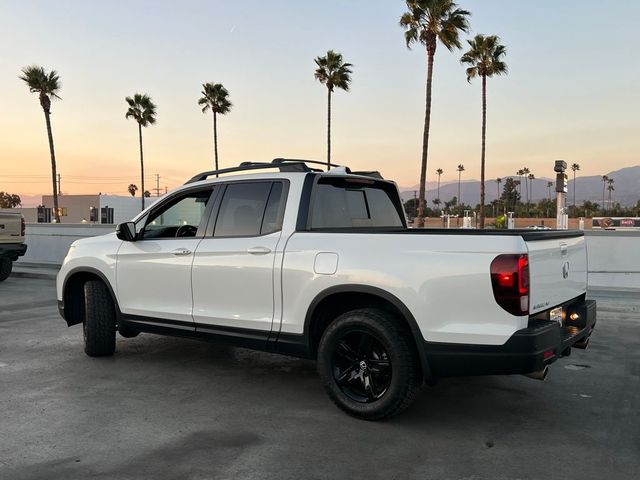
(348, 205)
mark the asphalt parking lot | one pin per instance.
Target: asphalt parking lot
(169, 408)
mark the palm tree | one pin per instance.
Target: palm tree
(605, 179)
(484, 58)
(132, 189)
(575, 167)
(439, 172)
(46, 85)
(427, 22)
(333, 72)
(531, 177)
(143, 111)
(610, 188)
(549, 185)
(498, 182)
(216, 98)
(460, 170)
(520, 173)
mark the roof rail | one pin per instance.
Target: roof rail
(298, 160)
(247, 166)
(282, 164)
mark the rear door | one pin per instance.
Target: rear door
(233, 268)
(557, 270)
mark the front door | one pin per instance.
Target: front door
(154, 272)
(233, 268)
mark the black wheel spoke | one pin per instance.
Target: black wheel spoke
(346, 352)
(346, 376)
(364, 347)
(369, 386)
(379, 365)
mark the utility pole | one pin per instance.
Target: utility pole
(59, 191)
(166, 190)
(157, 189)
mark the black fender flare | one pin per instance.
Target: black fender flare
(97, 273)
(385, 295)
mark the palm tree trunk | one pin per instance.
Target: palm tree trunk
(438, 186)
(328, 129)
(482, 158)
(141, 164)
(574, 188)
(459, 176)
(215, 139)
(54, 174)
(425, 136)
(604, 184)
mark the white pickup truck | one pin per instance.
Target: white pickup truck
(11, 241)
(321, 265)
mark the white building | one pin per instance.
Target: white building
(79, 208)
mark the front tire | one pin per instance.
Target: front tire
(99, 327)
(368, 364)
(6, 265)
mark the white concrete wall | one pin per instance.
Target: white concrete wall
(614, 256)
(48, 243)
(614, 259)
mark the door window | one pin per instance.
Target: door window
(250, 209)
(179, 217)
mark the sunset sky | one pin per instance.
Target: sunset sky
(573, 91)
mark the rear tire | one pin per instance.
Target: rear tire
(6, 265)
(99, 327)
(368, 364)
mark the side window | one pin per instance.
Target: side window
(179, 217)
(272, 221)
(340, 205)
(246, 210)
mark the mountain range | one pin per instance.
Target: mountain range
(626, 184)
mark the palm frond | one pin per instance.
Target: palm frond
(485, 57)
(141, 109)
(333, 72)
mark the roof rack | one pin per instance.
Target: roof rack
(282, 164)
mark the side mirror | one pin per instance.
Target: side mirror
(126, 231)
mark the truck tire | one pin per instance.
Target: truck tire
(368, 364)
(99, 327)
(5, 268)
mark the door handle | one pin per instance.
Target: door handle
(181, 251)
(258, 250)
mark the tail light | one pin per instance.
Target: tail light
(22, 227)
(510, 282)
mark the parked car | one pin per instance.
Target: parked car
(11, 241)
(321, 265)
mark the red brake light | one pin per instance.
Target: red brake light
(510, 282)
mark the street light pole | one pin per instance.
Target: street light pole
(562, 220)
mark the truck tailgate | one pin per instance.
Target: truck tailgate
(557, 271)
(10, 228)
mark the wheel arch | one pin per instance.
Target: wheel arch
(334, 301)
(72, 306)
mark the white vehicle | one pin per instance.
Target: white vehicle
(11, 241)
(321, 265)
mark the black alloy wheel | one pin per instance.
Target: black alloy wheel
(361, 366)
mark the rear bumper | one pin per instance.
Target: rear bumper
(528, 350)
(13, 251)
